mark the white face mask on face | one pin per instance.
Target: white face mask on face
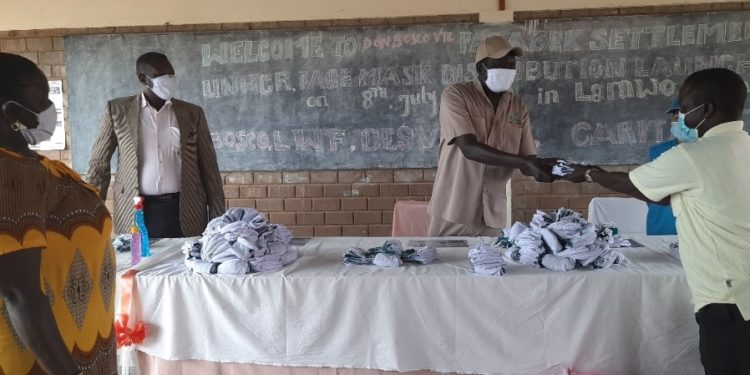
(164, 86)
(47, 122)
(500, 80)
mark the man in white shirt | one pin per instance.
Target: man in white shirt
(705, 178)
(166, 155)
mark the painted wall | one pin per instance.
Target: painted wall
(48, 14)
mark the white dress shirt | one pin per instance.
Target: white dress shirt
(159, 150)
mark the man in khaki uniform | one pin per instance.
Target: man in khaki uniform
(485, 134)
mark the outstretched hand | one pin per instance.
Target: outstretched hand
(540, 169)
(579, 172)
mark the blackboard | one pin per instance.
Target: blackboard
(355, 98)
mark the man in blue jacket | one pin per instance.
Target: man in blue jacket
(660, 219)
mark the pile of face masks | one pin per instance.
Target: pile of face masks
(487, 260)
(391, 254)
(562, 241)
(240, 241)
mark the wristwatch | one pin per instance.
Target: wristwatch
(587, 175)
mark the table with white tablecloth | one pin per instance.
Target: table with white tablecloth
(318, 312)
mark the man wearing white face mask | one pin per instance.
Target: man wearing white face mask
(165, 155)
(46, 123)
(485, 134)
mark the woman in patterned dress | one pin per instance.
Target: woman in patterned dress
(57, 265)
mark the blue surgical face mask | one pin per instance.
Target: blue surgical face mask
(681, 133)
(688, 135)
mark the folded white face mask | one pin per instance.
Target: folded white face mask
(500, 80)
(164, 86)
(46, 123)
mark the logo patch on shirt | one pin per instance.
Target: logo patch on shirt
(515, 119)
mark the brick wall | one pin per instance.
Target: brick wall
(329, 203)
(529, 195)
(346, 202)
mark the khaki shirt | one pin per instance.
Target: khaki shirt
(707, 181)
(465, 191)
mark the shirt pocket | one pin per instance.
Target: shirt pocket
(192, 137)
(170, 144)
(507, 138)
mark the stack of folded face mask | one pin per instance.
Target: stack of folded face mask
(121, 243)
(391, 254)
(240, 241)
(425, 255)
(562, 241)
(487, 260)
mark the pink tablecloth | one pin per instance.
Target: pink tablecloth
(410, 219)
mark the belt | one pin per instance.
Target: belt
(162, 197)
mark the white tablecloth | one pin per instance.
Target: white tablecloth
(318, 312)
(628, 214)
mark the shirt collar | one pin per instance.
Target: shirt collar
(145, 103)
(726, 127)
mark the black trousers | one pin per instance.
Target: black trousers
(162, 214)
(724, 340)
